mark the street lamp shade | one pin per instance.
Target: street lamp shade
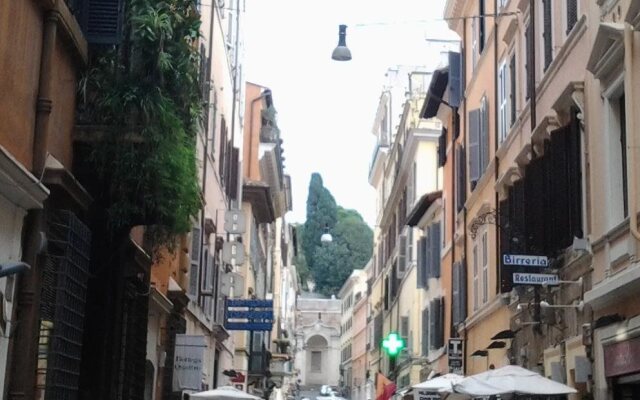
(326, 236)
(341, 52)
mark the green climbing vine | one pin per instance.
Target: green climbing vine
(142, 100)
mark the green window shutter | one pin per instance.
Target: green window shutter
(474, 147)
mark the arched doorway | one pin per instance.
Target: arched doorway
(317, 360)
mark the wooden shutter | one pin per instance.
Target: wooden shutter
(439, 321)
(484, 136)
(575, 177)
(402, 256)
(474, 147)
(102, 21)
(572, 14)
(512, 89)
(196, 247)
(546, 34)
(223, 148)
(560, 187)
(433, 323)
(527, 60)
(461, 183)
(425, 331)
(459, 298)
(428, 249)
(232, 187)
(481, 25)
(455, 294)
(435, 250)
(442, 147)
(455, 79)
(420, 267)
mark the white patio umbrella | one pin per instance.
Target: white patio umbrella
(224, 393)
(445, 381)
(510, 379)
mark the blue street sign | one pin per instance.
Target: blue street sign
(251, 315)
(241, 326)
(249, 303)
(248, 315)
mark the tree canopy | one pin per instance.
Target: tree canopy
(330, 264)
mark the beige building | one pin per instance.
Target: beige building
(266, 197)
(359, 376)
(353, 289)
(317, 351)
(404, 172)
(612, 122)
(549, 133)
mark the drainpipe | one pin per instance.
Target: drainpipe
(235, 96)
(23, 371)
(630, 122)
(496, 171)
(44, 104)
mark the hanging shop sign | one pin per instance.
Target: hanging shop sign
(520, 278)
(525, 260)
(187, 362)
(524, 269)
(455, 354)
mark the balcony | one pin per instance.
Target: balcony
(281, 367)
(259, 361)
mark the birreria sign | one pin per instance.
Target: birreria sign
(519, 269)
(525, 261)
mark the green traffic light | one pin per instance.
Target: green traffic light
(393, 344)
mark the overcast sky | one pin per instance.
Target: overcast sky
(326, 108)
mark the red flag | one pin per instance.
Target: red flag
(385, 388)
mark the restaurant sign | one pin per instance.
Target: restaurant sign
(187, 362)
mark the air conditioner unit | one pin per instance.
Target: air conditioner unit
(581, 245)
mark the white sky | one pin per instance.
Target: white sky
(326, 108)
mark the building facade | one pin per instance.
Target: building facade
(317, 351)
(539, 143)
(407, 179)
(353, 289)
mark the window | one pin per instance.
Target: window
(442, 148)
(527, 59)
(502, 4)
(461, 182)
(404, 329)
(572, 14)
(503, 101)
(480, 271)
(617, 143)
(459, 293)
(481, 25)
(410, 246)
(474, 42)
(436, 326)
(485, 269)
(411, 185)
(478, 141)
(476, 277)
(196, 247)
(512, 89)
(316, 361)
(425, 332)
(547, 27)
